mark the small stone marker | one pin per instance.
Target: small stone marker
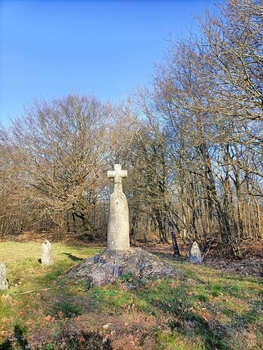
(47, 254)
(3, 280)
(195, 254)
(118, 225)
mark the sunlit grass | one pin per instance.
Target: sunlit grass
(208, 309)
(28, 279)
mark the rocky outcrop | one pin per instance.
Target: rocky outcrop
(110, 265)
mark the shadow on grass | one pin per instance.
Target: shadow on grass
(249, 317)
(179, 307)
(56, 271)
(18, 338)
(185, 317)
(73, 257)
(169, 256)
(67, 339)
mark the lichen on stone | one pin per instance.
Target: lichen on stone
(110, 265)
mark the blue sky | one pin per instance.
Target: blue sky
(101, 48)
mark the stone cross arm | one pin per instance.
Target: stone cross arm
(117, 174)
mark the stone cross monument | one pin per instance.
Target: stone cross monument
(119, 259)
(118, 225)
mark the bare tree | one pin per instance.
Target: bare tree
(61, 149)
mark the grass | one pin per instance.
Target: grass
(24, 302)
(208, 309)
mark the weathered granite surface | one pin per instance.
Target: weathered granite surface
(3, 280)
(109, 265)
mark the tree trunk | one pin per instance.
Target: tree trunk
(174, 241)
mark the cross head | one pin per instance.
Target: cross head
(117, 174)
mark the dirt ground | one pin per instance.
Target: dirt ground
(127, 331)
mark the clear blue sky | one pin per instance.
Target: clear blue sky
(98, 48)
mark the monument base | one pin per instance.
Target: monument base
(134, 265)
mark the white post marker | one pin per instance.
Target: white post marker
(3, 279)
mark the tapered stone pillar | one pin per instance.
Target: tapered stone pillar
(118, 225)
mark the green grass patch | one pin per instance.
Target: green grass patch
(206, 310)
(202, 297)
(65, 310)
(215, 289)
(29, 281)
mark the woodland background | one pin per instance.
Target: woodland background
(192, 145)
